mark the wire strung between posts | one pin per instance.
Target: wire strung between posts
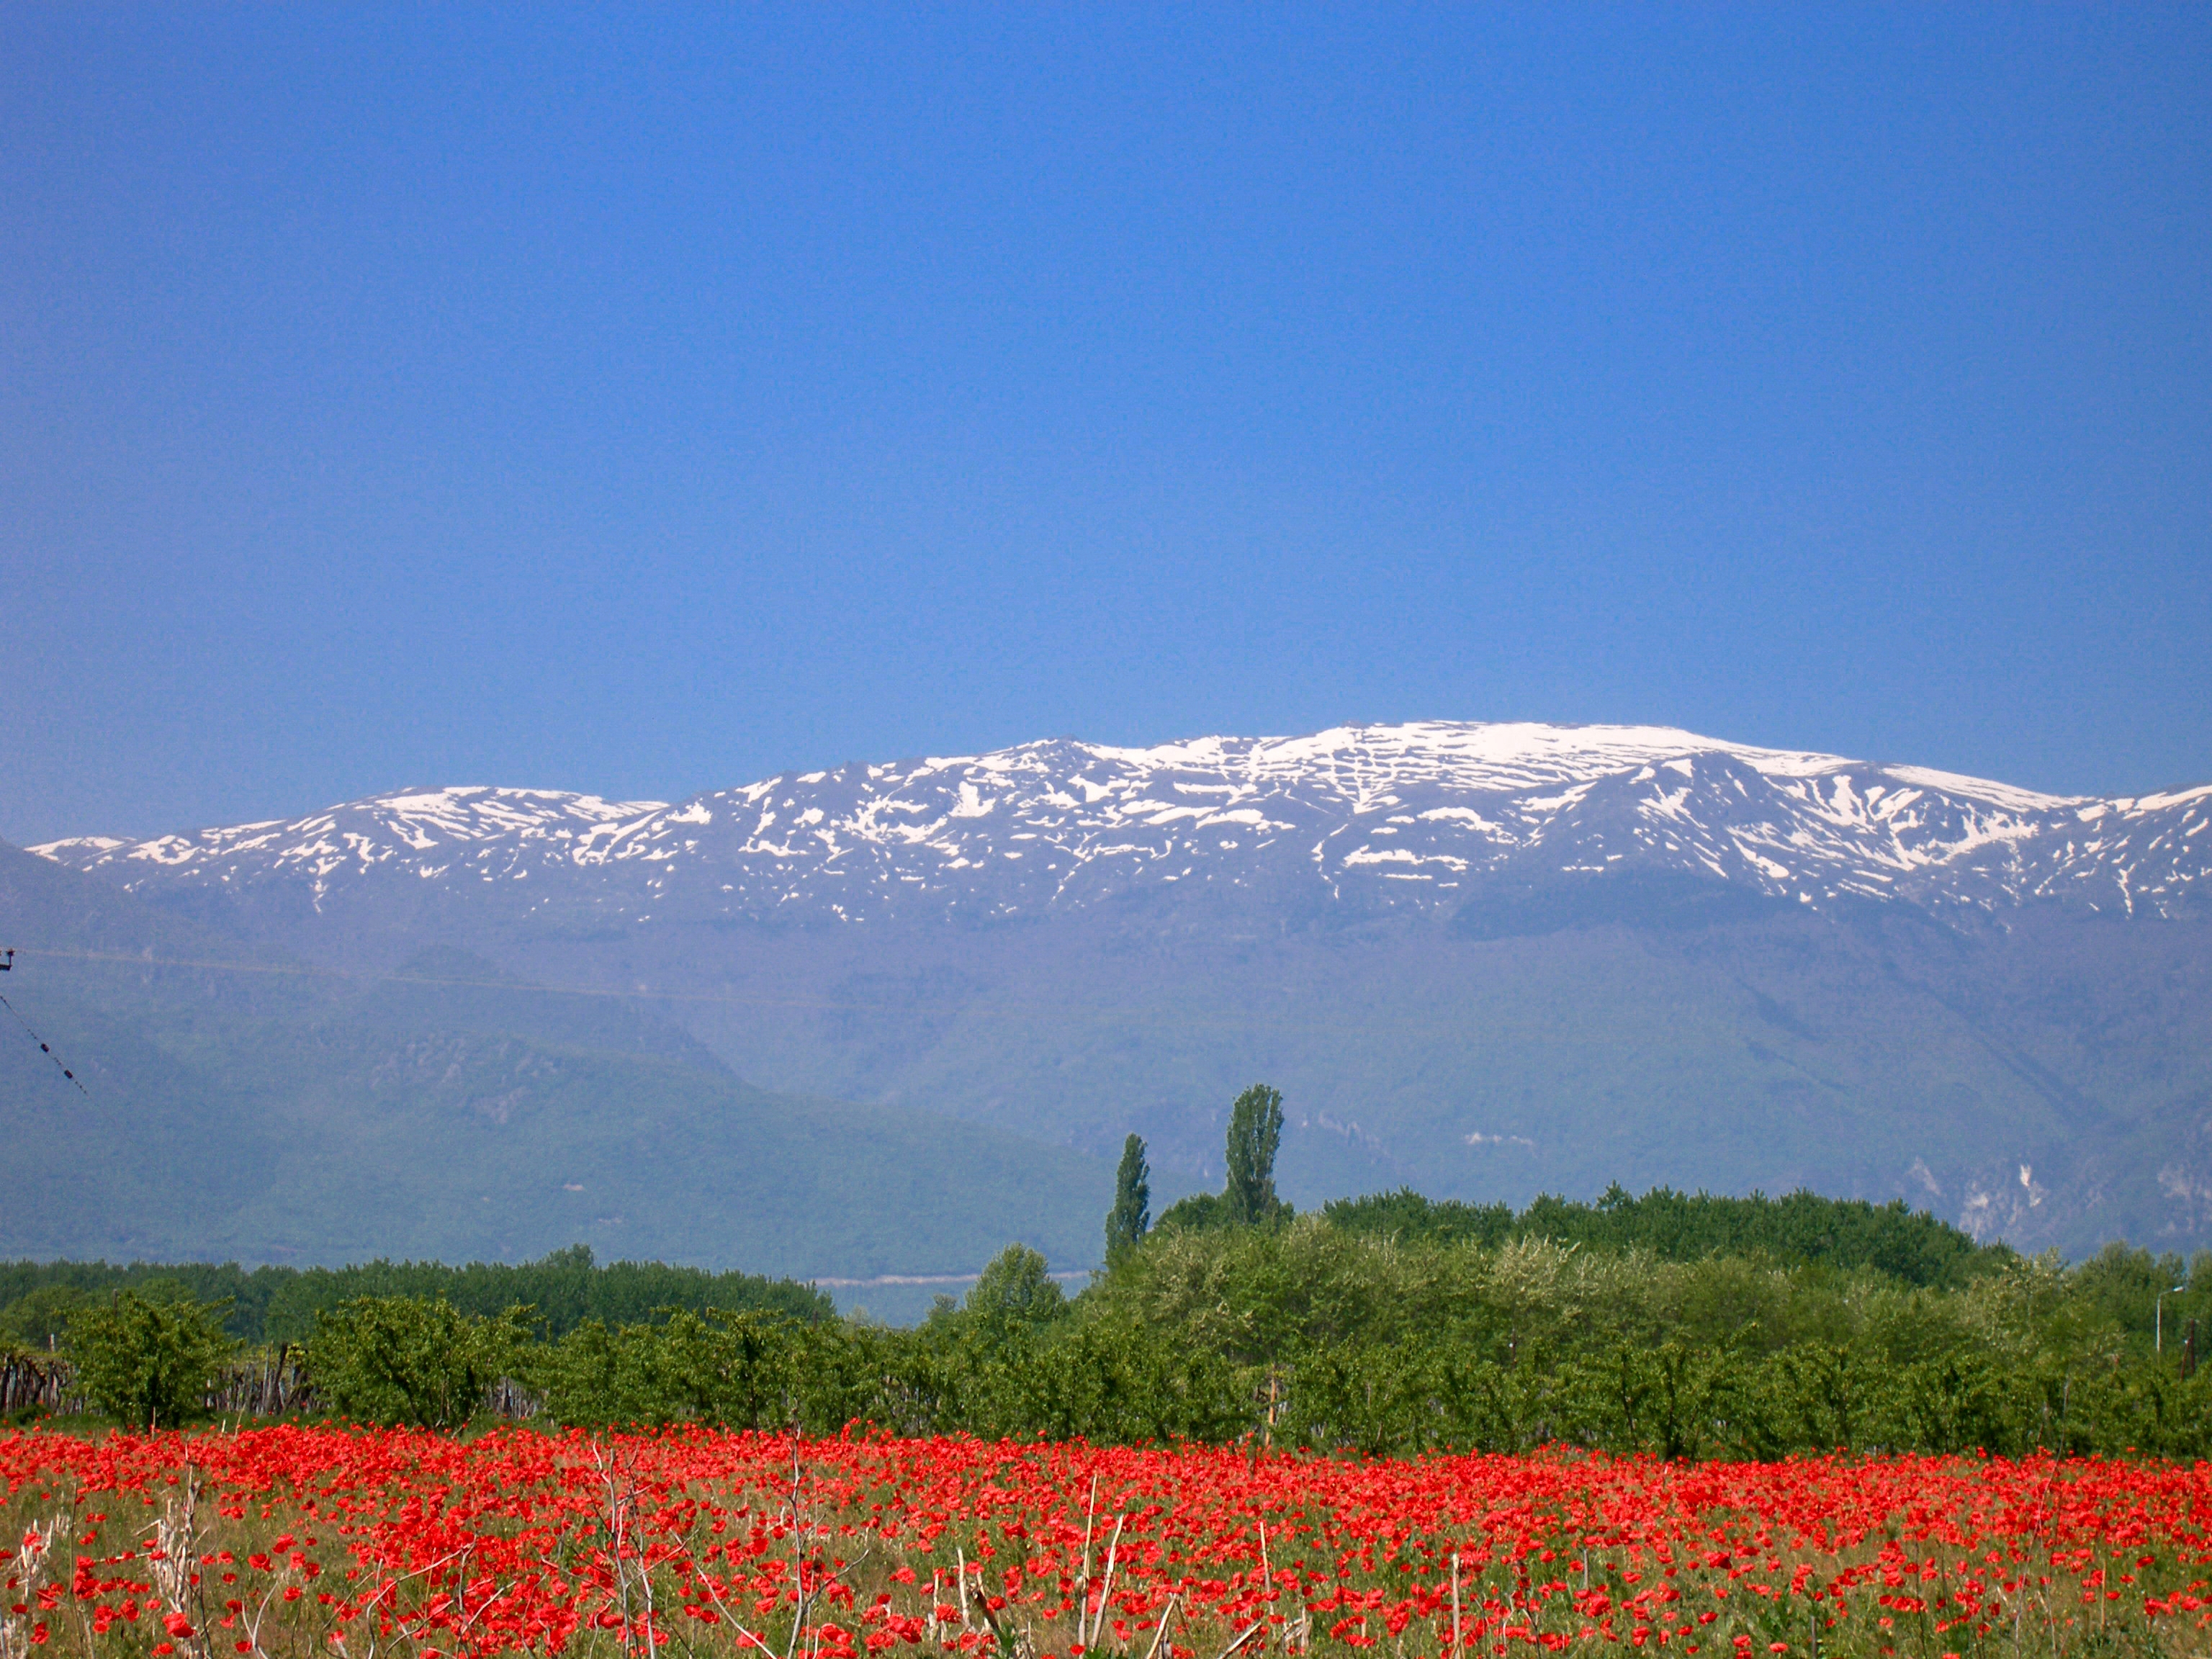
(44, 1049)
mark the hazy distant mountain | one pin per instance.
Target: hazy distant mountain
(1483, 959)
(239, 1102)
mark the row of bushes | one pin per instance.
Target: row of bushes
(1133, 1360)
(278, 1304)
(1105, 1383)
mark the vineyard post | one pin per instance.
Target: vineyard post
(2158, 1317)
(1455, 1601)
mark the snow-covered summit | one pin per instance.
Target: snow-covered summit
(429, 833)
(1427, 816)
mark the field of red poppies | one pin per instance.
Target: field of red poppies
(295, 1541)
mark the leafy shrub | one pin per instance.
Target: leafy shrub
(734, 1368)
(417, 1360)
(148, 1362)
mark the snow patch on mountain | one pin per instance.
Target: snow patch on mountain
(1428, 817)
(426, 833)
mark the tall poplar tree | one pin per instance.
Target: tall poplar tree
(1256, 1130)
(1132, 1202)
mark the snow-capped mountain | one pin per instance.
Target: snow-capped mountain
(1487, 960)
(1427, 817)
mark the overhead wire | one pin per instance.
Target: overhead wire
(44, 1048)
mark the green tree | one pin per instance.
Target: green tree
(40, 1319)
(148, 1362)
(1015, 1295)
(1256, 1130)
(1131, 1216)
(411, 1359)
(1195, 1213)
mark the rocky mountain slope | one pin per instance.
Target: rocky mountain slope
(1487, 960)
(1425, 819)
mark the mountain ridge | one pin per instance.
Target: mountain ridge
(1424, 816)
(1492, 961)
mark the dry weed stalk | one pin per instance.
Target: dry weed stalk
(173, 1549)
(36, 1558)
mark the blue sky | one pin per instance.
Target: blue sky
(648, 402)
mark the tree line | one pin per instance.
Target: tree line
(272, 1305)
(1684, 1326)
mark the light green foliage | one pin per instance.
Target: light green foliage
(1368, 1342)
(1107, 1383)
(145, 1360)
(1015, 1295)
(415, 1360)
(1309, 1332)
(2126, 1284)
